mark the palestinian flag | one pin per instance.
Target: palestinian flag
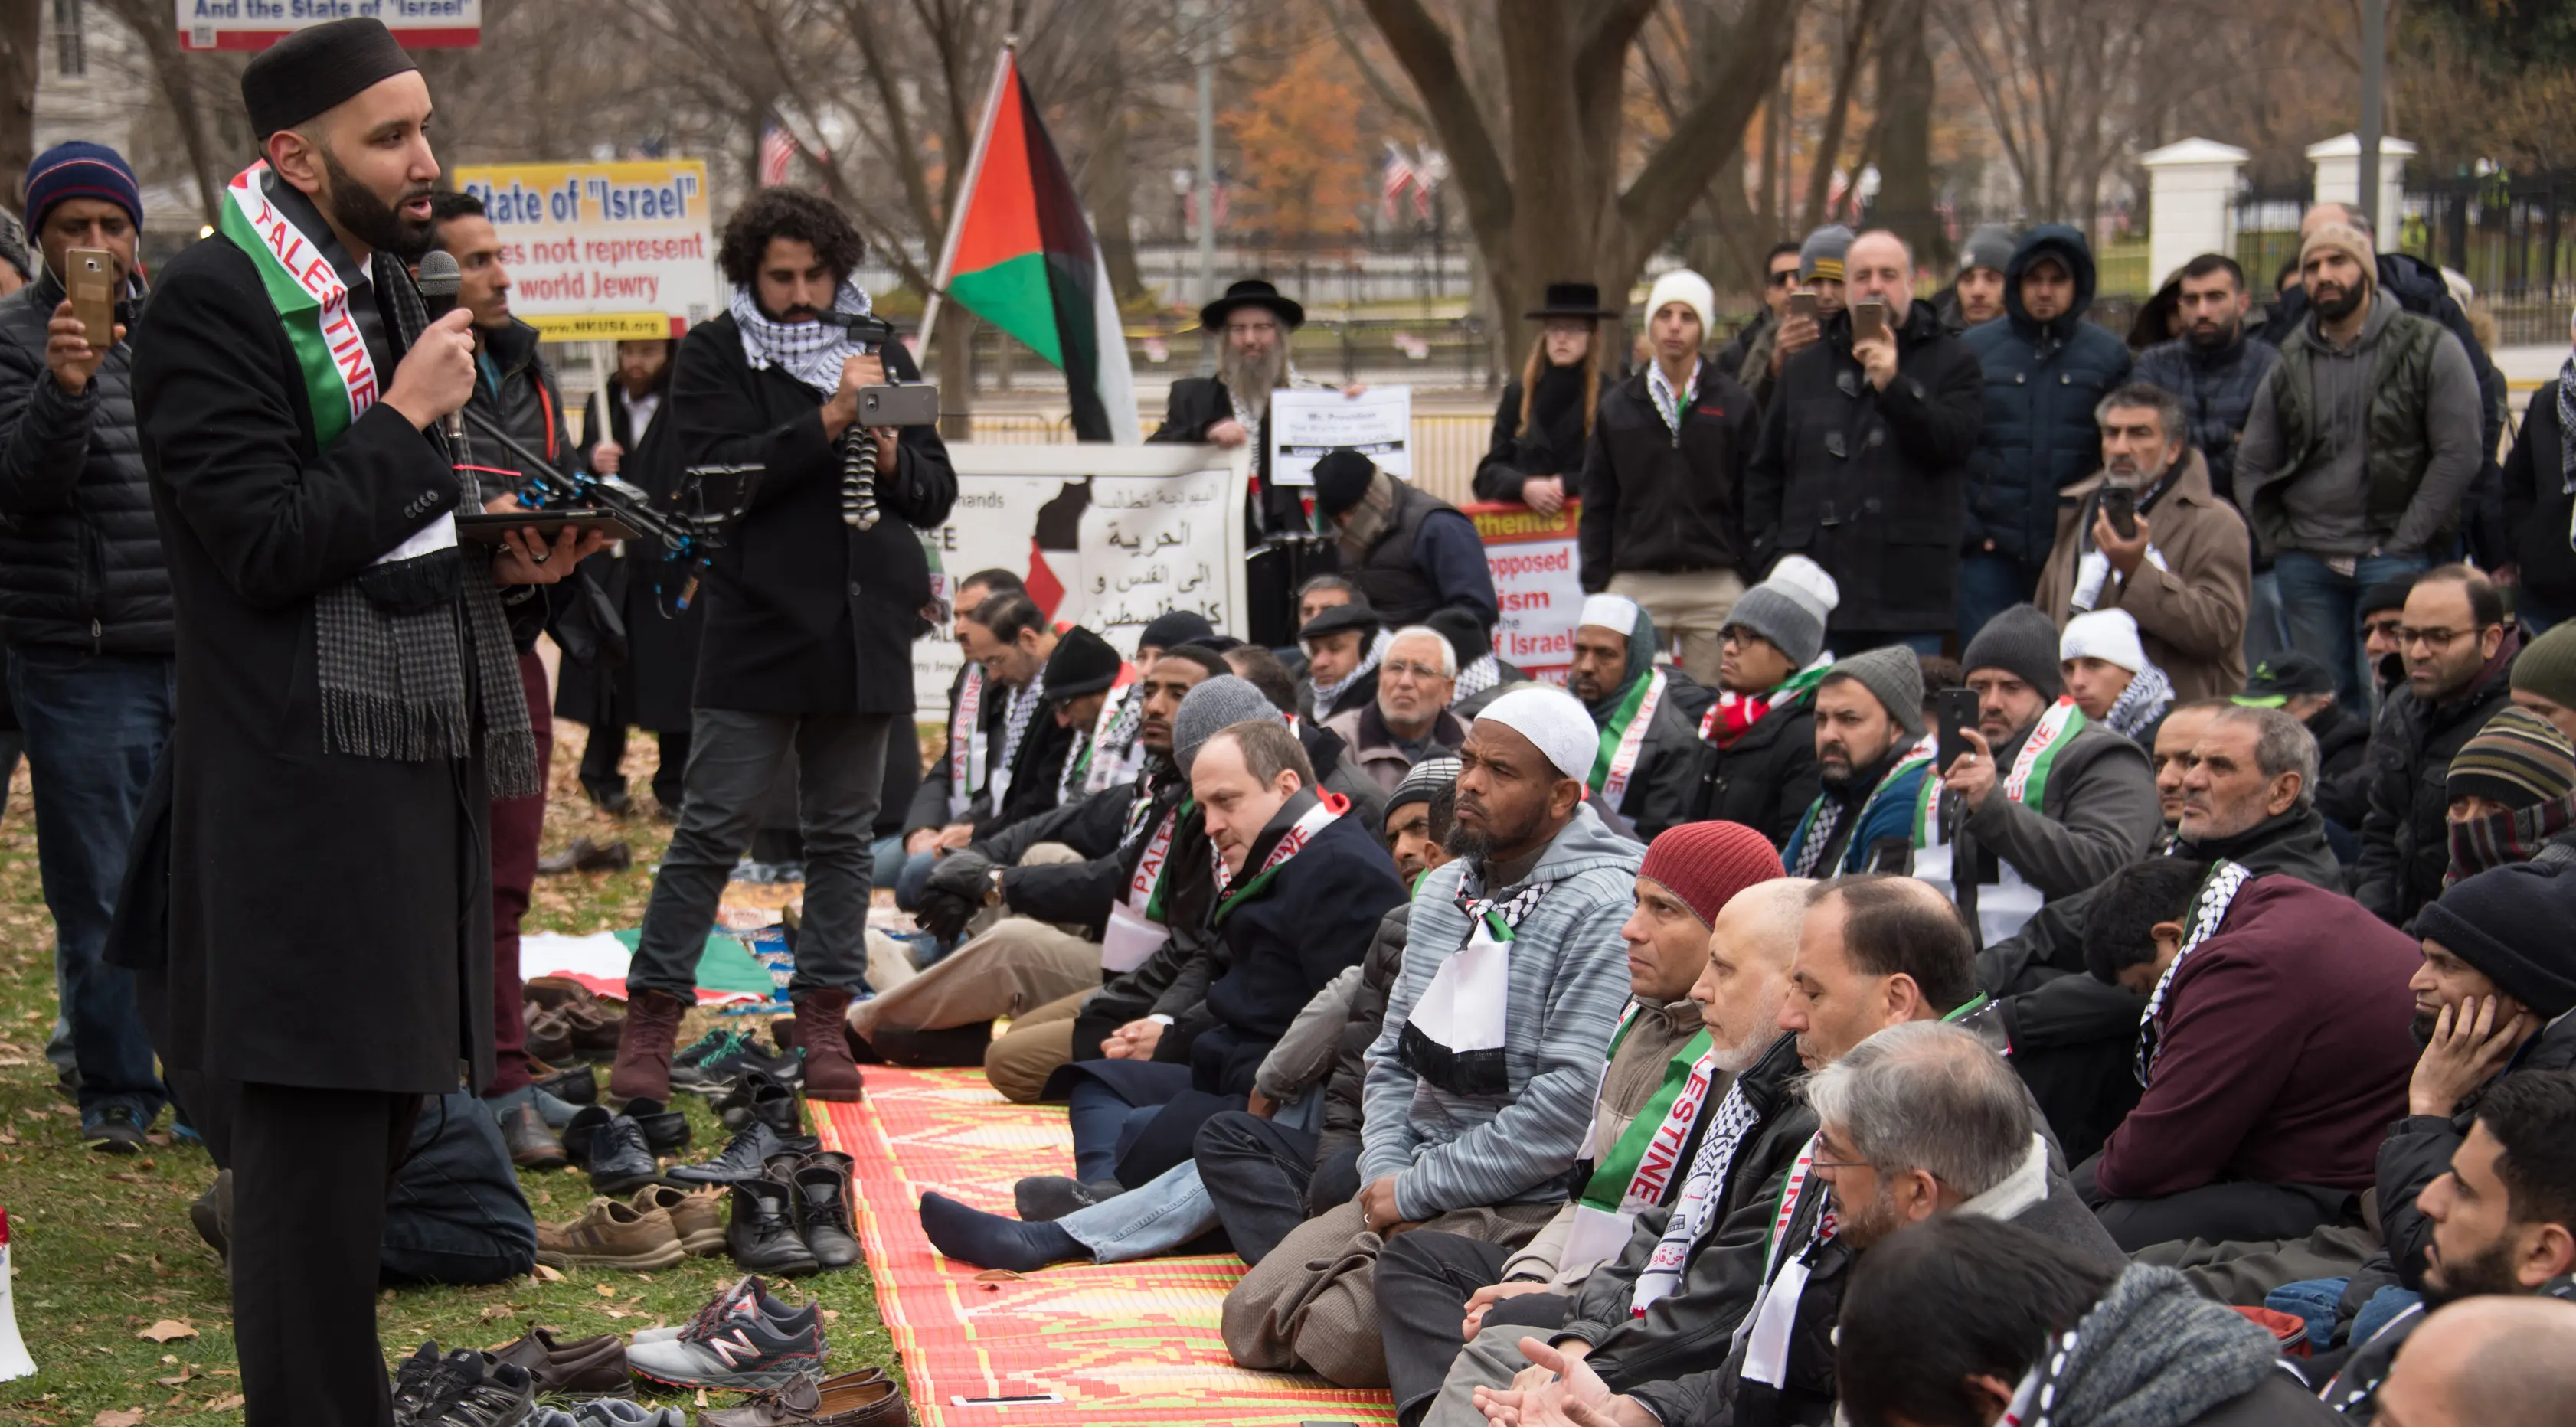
(1020, 255)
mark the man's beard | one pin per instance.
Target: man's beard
(1249, 380)
(1480, 843)
(2423, 1026)
(1738, 1058)
(2342, 306)
(2486, 1272)
(2222, 335)
(373, 221)
(1865, 1224)
(1837, 776)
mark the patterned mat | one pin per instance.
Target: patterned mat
(1118, 1343)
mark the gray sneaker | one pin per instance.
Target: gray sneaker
(745, 1339)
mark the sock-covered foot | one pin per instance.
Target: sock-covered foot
(991, 1241)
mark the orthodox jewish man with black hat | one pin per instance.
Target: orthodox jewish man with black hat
(1536, 453)
(313, 891)
(1251, 324)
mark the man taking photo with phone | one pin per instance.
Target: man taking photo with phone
(84, 603)
(1861, 463)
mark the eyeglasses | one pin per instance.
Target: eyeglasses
(2384, 628)
(1784, 277)
(2408, 636)
(1413, 671)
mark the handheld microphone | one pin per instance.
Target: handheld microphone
(439, 279)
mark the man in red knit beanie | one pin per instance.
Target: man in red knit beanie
(1664, 1070)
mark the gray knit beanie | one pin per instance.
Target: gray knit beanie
(1821, 256)
(1789, 608)
(1989, 246)
(1893, 674)
(1216, 705)
(2547, 666)
(2022, 642)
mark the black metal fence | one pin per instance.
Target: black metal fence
(2513, 237)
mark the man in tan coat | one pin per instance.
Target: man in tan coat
(2185, 575)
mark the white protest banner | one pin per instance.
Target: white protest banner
(257, 24)
(602, 252)
(1108, 537)
(1306, 422)
(1537, 581)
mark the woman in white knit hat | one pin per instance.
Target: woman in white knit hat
(1663, 515)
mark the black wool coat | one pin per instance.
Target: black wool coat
(655, 686)
(1872, 484)
(1548, 448)
(328, 916)
(1197, 403)
(805, 614)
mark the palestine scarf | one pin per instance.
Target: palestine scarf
(1456, 1036)
(390, 648)
(1697, 1206)
(2209, 910)
(811, 352)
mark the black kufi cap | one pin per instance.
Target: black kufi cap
(318, 69)
(1083, 663)
(1342, 477)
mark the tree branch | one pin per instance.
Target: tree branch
(1422, 48)
(1756, 46)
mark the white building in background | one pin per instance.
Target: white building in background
(92, 78)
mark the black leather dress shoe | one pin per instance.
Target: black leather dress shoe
(823, 1210)
(620, 1161)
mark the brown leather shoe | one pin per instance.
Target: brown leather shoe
(553, 991)
(861, 1399)
(587, 1367)
(611, 1235)
(643, 1069)
(830, 1073)
(697, 1216)
(595, 1030)
(531, 1144)
(549, 1034)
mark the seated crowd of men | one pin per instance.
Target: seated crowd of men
(1641, 1053)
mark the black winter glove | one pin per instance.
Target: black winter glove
(954, 893)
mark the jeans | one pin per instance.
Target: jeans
(732, 756)
(1106, 1122)
(454, 1213)
(2319, 611)
(2265, 635)
(915, 876)
(1990, 582)
(1256, 1173)
(885, 861)
(1172, 1208)
(95, 725)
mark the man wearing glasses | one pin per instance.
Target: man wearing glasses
(1410, 719)
(2458, 653)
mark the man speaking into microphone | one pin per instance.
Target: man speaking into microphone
(810, 623)
(351, 702)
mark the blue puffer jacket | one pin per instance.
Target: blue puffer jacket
(2043, 380)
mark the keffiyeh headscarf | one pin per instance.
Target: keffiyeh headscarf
(812, 352)
(2145, 700)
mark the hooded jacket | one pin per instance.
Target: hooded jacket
(2320, 986)
(2190, 610)
(80, 553)
(2072, 1036)
(1663, 784)
(1868, 483)
(1568, 979)
(2043, 380)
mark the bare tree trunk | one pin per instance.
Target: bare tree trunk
(176, 77)
(1905, 96)
(1829, 145)
(1112, 184)
(21, 34)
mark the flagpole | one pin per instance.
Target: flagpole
(966, 192)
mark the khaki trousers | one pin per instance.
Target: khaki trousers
(1689, 609)
(1020, 1061)
(1013, 968)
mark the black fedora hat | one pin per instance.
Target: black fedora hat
(1573, 299)
(1252, 292)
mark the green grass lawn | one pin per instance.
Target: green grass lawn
(101, 1246)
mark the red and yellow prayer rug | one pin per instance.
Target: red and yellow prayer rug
(1115, 1344)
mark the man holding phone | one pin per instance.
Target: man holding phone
(84, 603)
(1862, 459)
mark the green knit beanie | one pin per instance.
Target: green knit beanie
(2547, 666)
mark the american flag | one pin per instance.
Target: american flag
(778, 151)
(1399, 175)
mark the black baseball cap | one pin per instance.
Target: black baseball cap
(2282, 677)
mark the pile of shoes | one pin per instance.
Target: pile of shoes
(657, 1228)
(584, 1367)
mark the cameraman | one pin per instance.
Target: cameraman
(809, 625)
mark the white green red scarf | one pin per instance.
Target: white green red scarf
(1229, 896)
(1624, 737)
(1733, 714)
(2027, 781)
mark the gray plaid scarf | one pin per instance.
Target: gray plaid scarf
(2152, 1353)
(390, 641)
